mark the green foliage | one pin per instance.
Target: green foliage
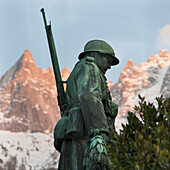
(144, 143)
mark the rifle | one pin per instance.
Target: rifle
(62, 100)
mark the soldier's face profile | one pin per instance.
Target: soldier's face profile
(104, 62)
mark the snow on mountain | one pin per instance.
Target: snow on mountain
(153, 89)
(28, 113)
(28, 97)
(29, 108)
(165, 89)
(28, 103)
(149, 79)
(27, 151)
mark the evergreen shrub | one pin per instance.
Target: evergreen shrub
(144, 142)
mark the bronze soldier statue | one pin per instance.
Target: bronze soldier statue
(82, 134)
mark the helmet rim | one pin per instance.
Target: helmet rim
(115, 59)
(101, 47)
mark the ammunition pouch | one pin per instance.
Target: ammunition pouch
(75, 127)
(60, 132)
(71, 127)
(111, 108)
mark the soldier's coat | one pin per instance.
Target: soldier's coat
(86, 89)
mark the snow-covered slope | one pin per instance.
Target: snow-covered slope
(153, 89)
(28, 106)
(28, 97)
(27, 150)
(149, 79)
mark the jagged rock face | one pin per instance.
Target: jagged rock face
(149, 79)
(165, 89)
(28, 97)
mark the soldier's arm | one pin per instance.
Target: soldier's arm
(89, 90)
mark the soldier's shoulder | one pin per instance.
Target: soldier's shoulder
(86, 63)
(91, 65)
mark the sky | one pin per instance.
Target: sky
(136, 29)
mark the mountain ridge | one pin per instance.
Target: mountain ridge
(24, 101)
(28, 94)
(135, 80)
(29, 108)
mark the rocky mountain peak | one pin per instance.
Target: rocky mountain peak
(23, 68)
(150, 75)
(28, 94)
(28, 103)
(27, 56)
(110, 84)
(28, 97)
(130, 65)
(164, 53)
(65, 72)
(158, 60)
(27, 59)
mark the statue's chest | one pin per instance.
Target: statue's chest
(105, 93)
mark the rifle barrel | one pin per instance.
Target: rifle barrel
(43, 13)
(59, 83)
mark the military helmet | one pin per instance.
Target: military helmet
(99, 46)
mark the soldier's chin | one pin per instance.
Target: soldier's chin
(103, 70)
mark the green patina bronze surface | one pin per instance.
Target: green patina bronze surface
(62, 100)
(91, 113)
